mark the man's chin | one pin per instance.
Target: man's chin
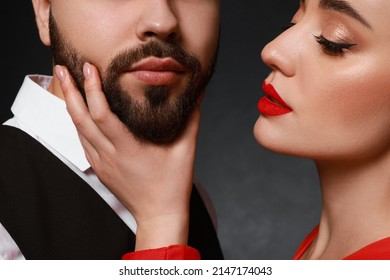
(157, 136)
(160, 125)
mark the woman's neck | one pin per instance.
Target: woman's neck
(356, 206)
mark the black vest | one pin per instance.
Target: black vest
(51, 213)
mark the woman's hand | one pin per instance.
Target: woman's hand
(154, 182)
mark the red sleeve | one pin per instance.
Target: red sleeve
(379, 250)
(306, 243)
(174, 252)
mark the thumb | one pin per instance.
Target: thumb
(192, 129)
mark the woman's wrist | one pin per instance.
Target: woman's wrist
(174, 252)
(162, 231)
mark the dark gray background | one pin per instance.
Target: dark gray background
(265, 202)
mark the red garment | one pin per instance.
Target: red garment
(174, 252)
(379, 250)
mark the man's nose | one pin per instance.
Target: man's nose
(158, 21)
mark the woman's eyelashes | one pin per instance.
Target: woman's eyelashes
(329, 47)
(332, 48)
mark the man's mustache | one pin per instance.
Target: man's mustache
(126, 58)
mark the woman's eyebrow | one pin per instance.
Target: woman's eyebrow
(345, 8)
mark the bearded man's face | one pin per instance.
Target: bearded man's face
(152, 87)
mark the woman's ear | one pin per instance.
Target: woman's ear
(42, 11)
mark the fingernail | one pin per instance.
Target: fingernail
(87, 70)
(60, 73)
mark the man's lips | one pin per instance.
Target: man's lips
(157, 71)
(272, 104)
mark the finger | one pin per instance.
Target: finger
(93, 157)
(74, 102)
(91, 153)
(100, 111)
(194, 123)
(194, 120)
(97, 103)
(79, 112)
(190, 134)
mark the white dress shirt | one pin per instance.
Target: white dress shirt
(44, 117)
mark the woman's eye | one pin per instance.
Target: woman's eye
(332, 48)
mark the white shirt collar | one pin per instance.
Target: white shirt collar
(45, 116)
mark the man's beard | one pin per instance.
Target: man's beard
(159, 119)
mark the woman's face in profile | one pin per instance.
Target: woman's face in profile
(332, 69)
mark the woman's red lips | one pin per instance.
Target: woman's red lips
(272, 104)
(157, 71)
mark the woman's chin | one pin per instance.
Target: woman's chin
(265, 136)
(272, 139)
